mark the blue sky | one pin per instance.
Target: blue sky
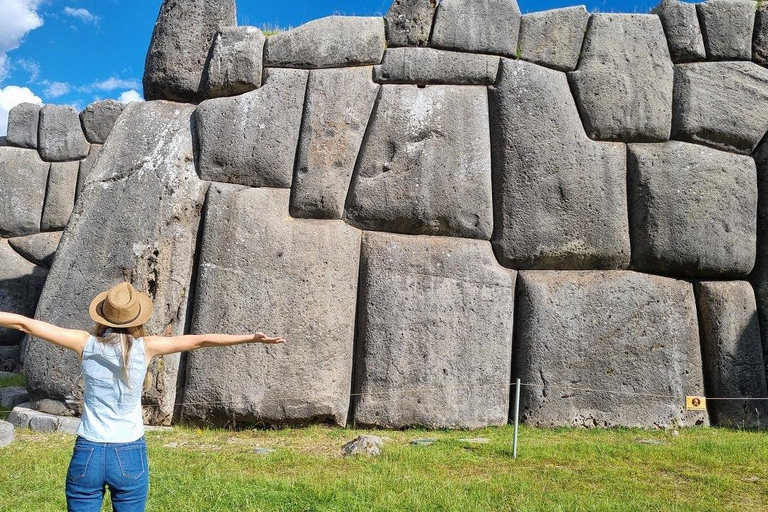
(78, 51)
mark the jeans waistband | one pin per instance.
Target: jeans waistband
(85, 442)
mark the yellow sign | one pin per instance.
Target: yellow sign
(695, 403)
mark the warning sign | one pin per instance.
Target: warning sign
(695, 403)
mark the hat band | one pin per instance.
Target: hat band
(101, 308)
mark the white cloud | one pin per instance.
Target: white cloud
(17, 17)
(30, 66)
(129, 96)
(82, 14)
(10, 96)
(56, 89)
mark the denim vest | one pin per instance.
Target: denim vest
(111, 409)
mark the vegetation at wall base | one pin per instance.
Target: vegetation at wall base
(557, 470)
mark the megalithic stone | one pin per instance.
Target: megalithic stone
(181, 42)
(137, 221)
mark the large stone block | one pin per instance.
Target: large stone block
(429, 66)
(553, 38)
(181, 42)
(23, 179)
(561, 199)
(336, 113)
(681, 25)
(60, 197)
(23, 122)
(759, 276)
(61, 137)
(760, 37)
(21, 282)
(624, 82)
(721, 104)
(234, 66)
(692, 210)
(329, 42)
(287, 277)
(434, 333)
(86, 167)
(425, 166)
(98, 118)
(409, 22)
(146, 193)
(732, 353)
(727, 27)
(251, 139)
(482, 26)
(40, 249)
(605, 349)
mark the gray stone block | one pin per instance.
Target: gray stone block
(760, 37)
(61, 137)
(86, 166)
(553, 38)
(715, 104)
(336, 113)
(623, 85)
(759, 275)
(434, 333)
(40, 249)
(146, 189)
(23, 122)
(334, 41)
(732, 354)
(98, 119)
(21, 283)
(12, 396)
(235, 64)
(7, 433)
(606, 349)
(180, 46)
(425, 166)
(409, 22)
(727, 27)
(278, 275)
(430, 66)
(60, 197)
(681, 25)
(251, 139)
(23, 178)
(692, 210)
(560, 197)
(482, 26)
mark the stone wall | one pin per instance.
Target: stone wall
(426, 205)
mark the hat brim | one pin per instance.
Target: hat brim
(145, 311)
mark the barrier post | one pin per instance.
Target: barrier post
(517, 417)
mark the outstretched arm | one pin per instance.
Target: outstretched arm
(71, 339)
(160, 346)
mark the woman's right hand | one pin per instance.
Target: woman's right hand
(260, 337)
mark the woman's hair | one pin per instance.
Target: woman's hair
(123, 336)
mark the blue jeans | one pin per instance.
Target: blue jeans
(121, 466)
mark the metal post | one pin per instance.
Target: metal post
(517, 416)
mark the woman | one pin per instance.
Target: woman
(110, 449)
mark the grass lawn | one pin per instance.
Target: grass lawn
(573, 470)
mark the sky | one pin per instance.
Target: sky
(74, 52)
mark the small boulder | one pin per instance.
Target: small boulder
(681, 25)
(363, 445)
(409, 22)
(40, 249)
(12, 396)
(334, 41)
(61, 137)
(23, 121)
(481, 26)
(98, 119)
(430, 66)
(553, 38)
(728, 27)
(234, 66)
(7, 433)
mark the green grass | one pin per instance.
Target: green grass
(16, 380)
(557, 470)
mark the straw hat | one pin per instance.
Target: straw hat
(121, 306)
